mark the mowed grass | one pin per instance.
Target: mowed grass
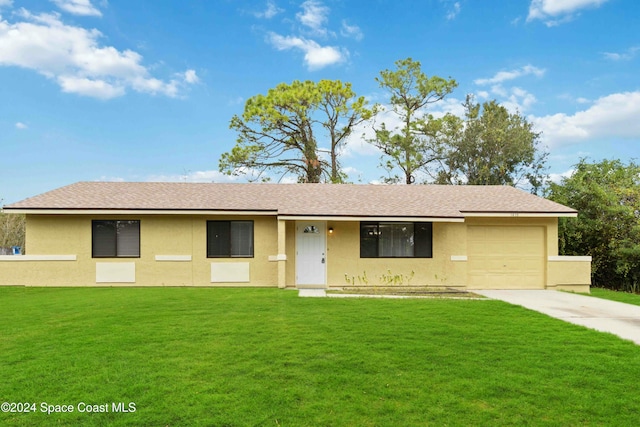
(616, 296)
(264, 357)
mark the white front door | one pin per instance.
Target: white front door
(311, 253)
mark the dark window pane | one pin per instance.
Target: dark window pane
(218, 238)
(423, 239)
(128, 244)
(114, 238)
(104, 239)
(241, 238)
(368, 239)
(395, 239)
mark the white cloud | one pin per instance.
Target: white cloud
(452, 8)
(453, 11)
(356, 145)
(350, 170)
(448, 105)
(154, 86)
(6, 3)
(78, 7)
(627, 55)
(191, 77)
(558, 177)
(73, 57)
(352, 31)
(315, 56)
(21, 126)
(270, 11)
(197, 176)
(518, 100)
(105, 178)
(499, 90)
(503, 76)
(555, 12)
(88, 87)
(514, 98)
(612, 116)
(243, 175)
(570, 98)
(314, 16)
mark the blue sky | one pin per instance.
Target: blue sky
(144, 90)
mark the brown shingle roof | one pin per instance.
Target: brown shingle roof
(295, 199)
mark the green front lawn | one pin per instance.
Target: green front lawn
(264, 357)
(616, 296)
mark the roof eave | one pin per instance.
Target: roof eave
(85, 211)
(568, 214)
(394, 218)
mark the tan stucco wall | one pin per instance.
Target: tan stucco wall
(449, 240)
(290, 240)
(159, 235)
(345, 267)
(184, 236)
(570, 274)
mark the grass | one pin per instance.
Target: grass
(264, 357)
(616, 296)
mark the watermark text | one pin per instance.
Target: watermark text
(59, 408)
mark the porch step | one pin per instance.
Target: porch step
(312, 292)
(311, 287)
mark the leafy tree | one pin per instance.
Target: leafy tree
(12, 228)
(277, 131)
(411, 146)
(491, 146)
(607, 197)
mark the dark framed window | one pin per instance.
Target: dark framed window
(115, 239)
(226, 239)
(396, 239)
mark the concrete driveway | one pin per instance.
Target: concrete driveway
(602, 315)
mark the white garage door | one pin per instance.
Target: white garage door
(501, 257)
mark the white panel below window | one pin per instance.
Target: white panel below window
(232, 272)
(115, 272)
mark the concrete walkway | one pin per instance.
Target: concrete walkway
(602, 315)
(312, 292)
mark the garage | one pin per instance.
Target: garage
(505, 257)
